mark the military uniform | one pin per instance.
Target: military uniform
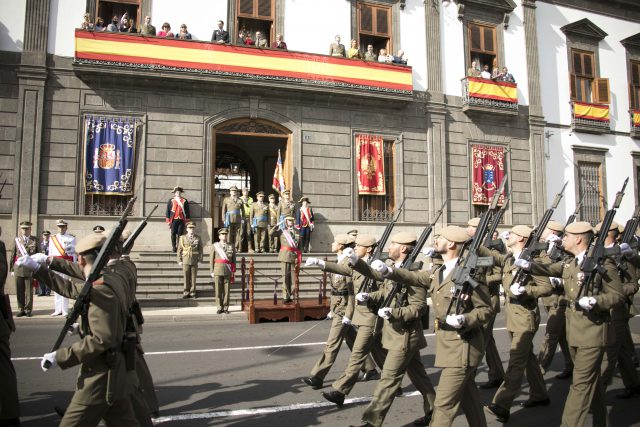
(177, 216)
(63, 246)
(305, 223)
(259, 218)
(223, 265)
(24, 245)
(288, 256)
(190, 254)
(9, 406)
(246, 234)
(492, 356)
(285, 209)
(337, 49)
(232, 213)
(274, 242)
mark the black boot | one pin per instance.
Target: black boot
(498, 411)
(335, 397)
(314, 382)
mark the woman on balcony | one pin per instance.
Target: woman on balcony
(165, 31)
(354, 52)
(183, 34)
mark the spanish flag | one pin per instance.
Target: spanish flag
(587, 111)
(488, 89)
(635, 118)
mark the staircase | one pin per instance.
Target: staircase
(160, 279)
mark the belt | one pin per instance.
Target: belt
(340, 293)
(439, 325)
(520, 303)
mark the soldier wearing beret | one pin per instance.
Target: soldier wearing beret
(189, 255)
(177, 216)
(233, 215)
(274, 241)
(223, 266)
(259, 218)
(24, 244)
(305, 223)
(288, 256)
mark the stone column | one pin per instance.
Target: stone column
(434, 57)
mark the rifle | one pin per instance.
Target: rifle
(126, 248)
(593, 261)
(630, 230)
(96, 269)
(557, 252)
(377, 252)
(488, 241)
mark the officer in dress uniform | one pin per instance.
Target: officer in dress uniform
(246, 234)
(9, 406)
(24, 244)
(285, 208)
(273, 224)
(232, 213)
(288, 256)
(189, 255)
(177, 215)
(306, 224)
(62, 245)
(259, 218)
(337, 48)
(223, 266)
(44, 249)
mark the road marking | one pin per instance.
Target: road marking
(267, 410)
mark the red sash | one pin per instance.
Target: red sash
(226, 261)
(297, 251)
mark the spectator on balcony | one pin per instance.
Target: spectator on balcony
(260, 41)
(86, 23)
(354, 52)
(485, 74)
(166, 31)
(399, 58)
(337, 48)
(113, 26)
(370, 55)
(123, 26)
(473, 71)
(279, 43)
(99, 25)
(147, 29)
(183, 34)
(245, 39)
(506, 76)
(219, 35)
(383, 57)
(127, 26)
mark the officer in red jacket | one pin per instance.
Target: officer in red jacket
(177, 216)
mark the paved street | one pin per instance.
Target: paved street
(212, 370)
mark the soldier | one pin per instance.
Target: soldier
(365, 342)
(285, 208)
(340, 313)
(62, 245)
(523, 319)
(337, 48)
(246, 234)
(232, 213)
(189, 255)
(9, 406)
(493, 280)
(223, 266)
(44, 248)
(555, 305)
(305, 222)
(588, 323)
(402, 333)
(459, 337)
(289, 256)
(274, 242)
(177, 216)
(103, 388)
(25, 244)
(259, 218)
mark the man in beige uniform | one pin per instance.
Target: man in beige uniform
(289, 256)
(223, 265)
(273, 224)
(189, 255)
(24, 244)
(233, 215)
(259, 219)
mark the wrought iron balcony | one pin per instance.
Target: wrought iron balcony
(590, 118)
(635, 123)
(133, 54)
(483, 95)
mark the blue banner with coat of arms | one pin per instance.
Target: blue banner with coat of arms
(109, 155)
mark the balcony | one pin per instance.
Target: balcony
(590, 118)
(136, 55)
(482, 95)
(635, 123)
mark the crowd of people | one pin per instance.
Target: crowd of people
(496, 73)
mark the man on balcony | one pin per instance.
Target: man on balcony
(485, 74)
(337, 48)
(506, 76)
(220, 35)
(147, 29)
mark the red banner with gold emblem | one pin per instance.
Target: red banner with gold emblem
(487, 173)
(370, 164)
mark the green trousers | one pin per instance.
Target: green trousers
(555, 333)
(586, 391)
(492, 357)
(618, 355)
(222, 284)
(117, 415)
(457, 388)
(190, 274)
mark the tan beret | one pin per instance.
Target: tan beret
(555, 226)
(522, 230)
(90, 242)
(454, 234)
(614, 226)
(474, 222)
(344, 239)
(365, 240)
(579, 227)
(404, 238)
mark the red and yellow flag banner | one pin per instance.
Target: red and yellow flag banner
(370, 164)
(635, 118)
(588, 111)
(162, 54)
(489, 89)
(487, 173)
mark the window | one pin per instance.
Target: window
(255, 15)
(381, 208)
(634, 86)
(482, 45)
(374, 27)
(585, 86)
(108, 9)
(590, 191)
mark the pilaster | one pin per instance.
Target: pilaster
(434, 56)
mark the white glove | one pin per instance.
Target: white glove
(346, 320)
(556, 282)
(516, 289)
(552, 238)
(351, 254)
(362, 296)
(48, 357)
(505, 235)
(523, 264)
(180, 263)
(40, 258)
(626, 250)
(429, 251)
(330, 315)
(385, 313)
(587, 303)
(212, 275)
(457, 321)
(74, 329)
(28, 263)
(381, 267)
(314, 261)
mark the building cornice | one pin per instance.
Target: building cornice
(622, 9)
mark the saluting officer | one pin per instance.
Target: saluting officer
(189, 255)
(273, 224)
(223, 265)
(288, 256)
(233, 215)
(24, 244)
(259, 218)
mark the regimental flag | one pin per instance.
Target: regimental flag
(489, 89)
(488, 172)
(588, 111)
(370, 164)
(278, 176)
(635, 118)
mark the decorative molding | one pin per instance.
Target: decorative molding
(632, 42)
(584, 28)
(251, 126)
(501, 6)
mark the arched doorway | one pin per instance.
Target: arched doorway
(245, 152)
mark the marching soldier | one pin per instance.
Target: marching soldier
(9, 406)
(523, 319)
(402, 333)
(189, 255)
(223, 266)
(25, 244)
(246, 234)
(62, 245)
(289, 256)
(177, 216)
(588, 324)
(232, 213)
(305, 222)
(259, 218)
(273, 224)
(285, 208)
(340, 312)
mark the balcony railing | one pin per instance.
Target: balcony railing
(489, 96)
(138, 54)
(590, 118)
(635, 123)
